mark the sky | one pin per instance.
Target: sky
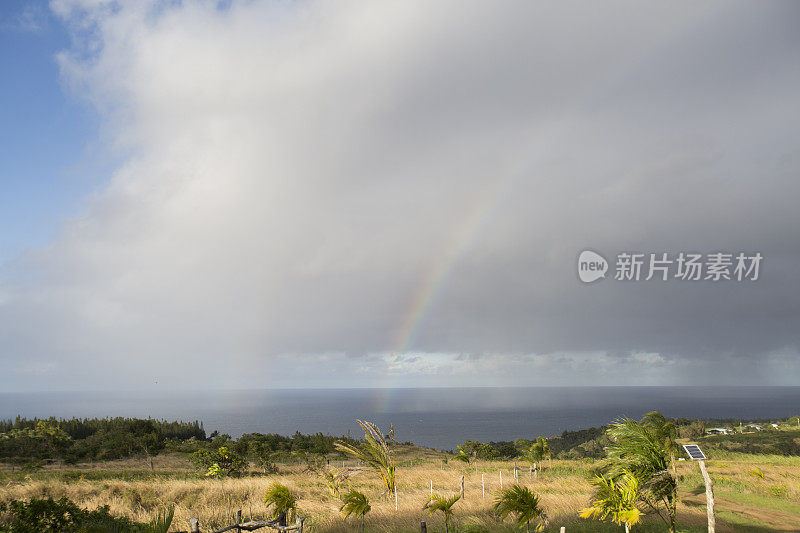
(352, 194)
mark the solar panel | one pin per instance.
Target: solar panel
(694, 452)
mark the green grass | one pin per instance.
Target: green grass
(742, 523)
(741, 457)
(762, 501)
(74, 476)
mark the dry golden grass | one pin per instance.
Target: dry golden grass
(562, 485)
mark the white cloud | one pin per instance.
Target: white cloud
(350, 178)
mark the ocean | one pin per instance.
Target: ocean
(439, 418)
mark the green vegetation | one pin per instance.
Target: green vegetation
(32, 443)
(539, 450)
(282, 502)
(766, 442)
(219, 463)
(444, 505)
(27, 441)
(355, 503)
(616, 500)
(643, 450)
(523, 504)
(48, 515)
(626, 474)
(377, 452)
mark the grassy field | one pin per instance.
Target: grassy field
(754, 493)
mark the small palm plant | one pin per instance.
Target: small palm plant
(282, 501)
(378, 452)
(523, 503)
(443, 504)
(355, 503)
(538, 450)
(615, 499)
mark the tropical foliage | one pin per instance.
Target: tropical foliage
(377, 452)
(444, 505)
(539, 450)
(281, 502)
(523, 504)
(615, 500)
(644, 450)
(355, 503)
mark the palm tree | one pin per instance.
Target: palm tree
(640, 450)
(521, 502)
(355, 503)
(665, 432)
(538, 450)
(616, 500)
(445, 505)
(284, 502)
(377, 452)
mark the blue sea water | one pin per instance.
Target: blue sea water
(439, 418)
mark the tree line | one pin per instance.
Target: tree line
(28, 441)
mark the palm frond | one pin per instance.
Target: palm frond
(355, 503)
(376, 452)
(521, 502)
(282, 500)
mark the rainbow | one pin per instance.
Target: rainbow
(433, 281)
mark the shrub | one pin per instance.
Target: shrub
(46, 515)
(220, 462)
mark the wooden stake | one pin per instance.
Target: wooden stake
(431, 487)
(395, 497)
(709, 497)
(483, 487)
(462, 487)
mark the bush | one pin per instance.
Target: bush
(45, 515)
(220, 462)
